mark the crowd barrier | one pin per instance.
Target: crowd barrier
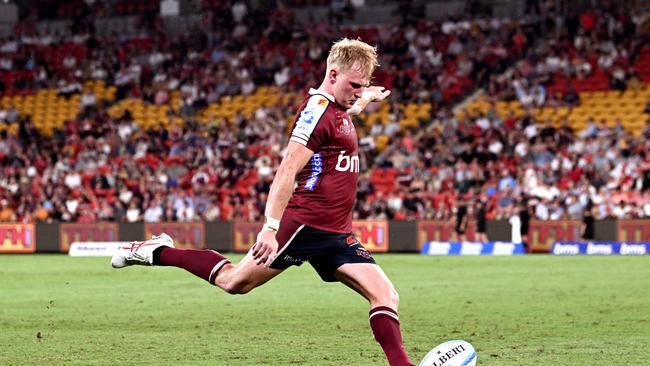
(378, 236)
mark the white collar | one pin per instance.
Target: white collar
(313, 91)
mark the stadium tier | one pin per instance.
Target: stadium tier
(192, 123)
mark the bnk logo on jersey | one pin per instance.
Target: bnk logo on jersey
(347, 163)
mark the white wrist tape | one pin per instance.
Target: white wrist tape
(271, 224)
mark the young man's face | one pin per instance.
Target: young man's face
(348, 85)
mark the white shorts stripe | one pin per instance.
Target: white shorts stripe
(288, 242)
(389, 313)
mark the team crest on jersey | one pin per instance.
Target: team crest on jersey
(345, 127)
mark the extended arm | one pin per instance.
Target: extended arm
(296, 158)
(282, 187)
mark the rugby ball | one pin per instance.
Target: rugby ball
(452, 353)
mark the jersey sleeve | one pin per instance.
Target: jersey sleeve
(310, 128)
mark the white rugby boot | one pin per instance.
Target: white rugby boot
(140, 252)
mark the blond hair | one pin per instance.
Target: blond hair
(348, 53)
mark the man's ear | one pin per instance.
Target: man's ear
(333, 74)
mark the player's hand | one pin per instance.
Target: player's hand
(369, 94)
(265, 248)
(375, 93)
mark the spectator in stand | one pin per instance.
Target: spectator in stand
(524, 219)
(461, 220)
(571, 97)
(86, 215)
(515, 224)
(587, 229)
(133, 213)
(154, 211)
(7, 214)
(481, 220)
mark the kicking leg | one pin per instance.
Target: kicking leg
(372, 283)
(215, 268)
(207, 264)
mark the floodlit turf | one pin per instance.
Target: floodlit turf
(535, 310)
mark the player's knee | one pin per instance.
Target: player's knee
(393, 298)
(388, 298)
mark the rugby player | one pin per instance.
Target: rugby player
(313, 222)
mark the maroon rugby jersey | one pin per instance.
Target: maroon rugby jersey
(327, 185)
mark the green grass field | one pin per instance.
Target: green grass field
(533, 310)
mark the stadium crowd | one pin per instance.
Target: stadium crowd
(101, 168)
(596, 50)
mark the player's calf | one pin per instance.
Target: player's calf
(236, 286)
(385, 326)
(203, 263)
